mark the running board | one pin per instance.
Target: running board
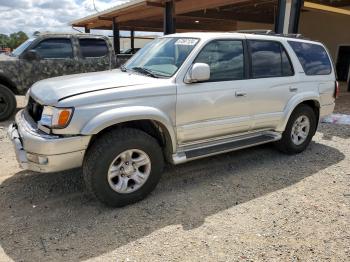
(223, 146)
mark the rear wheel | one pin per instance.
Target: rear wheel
(8, 103)
(299, 131)
(123, 166)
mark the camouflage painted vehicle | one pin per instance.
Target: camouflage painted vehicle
(50, 55)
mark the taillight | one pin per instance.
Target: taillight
(336, 89)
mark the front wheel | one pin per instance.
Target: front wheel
(299, 131)
(123, 166)
(8, 103)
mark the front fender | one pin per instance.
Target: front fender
(125, 114)
(5, 80)
(293, 103)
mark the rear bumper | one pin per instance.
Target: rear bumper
(40, 152)
(326, 110)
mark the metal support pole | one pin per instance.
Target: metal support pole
(169, 18)
(281, 10)
(87, 30)
(132, 40)
(288, 16)
(295, 16)
(348, 79)
(116, 36)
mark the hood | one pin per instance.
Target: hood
(4, 57)
(50, 91)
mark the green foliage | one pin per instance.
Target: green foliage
(13, 40)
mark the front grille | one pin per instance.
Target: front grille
(34, 109)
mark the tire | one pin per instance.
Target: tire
(107, 153)
(8, 103)
(289, 145)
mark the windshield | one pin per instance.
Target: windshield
(162, 57)
(22, 47)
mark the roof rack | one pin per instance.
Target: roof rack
(37, 33)
(269, 32)
(258, 31)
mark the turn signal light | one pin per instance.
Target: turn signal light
(64, 117)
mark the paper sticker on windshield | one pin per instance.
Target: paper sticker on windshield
(186, 41)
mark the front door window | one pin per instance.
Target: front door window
(55, 48)
(225, 59)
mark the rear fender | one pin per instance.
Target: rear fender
(293, 103)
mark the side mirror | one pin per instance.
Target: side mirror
(199, 72)
(31, 55)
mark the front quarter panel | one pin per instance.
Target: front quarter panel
(95, 111)
(9, 70)
(125, 114)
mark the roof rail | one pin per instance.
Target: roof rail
(269, 32)
(258, 31)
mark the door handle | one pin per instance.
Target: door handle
(293, 89)
(240, 94)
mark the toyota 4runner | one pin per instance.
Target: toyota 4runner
(180, 98)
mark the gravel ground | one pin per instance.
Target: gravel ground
(251, 205)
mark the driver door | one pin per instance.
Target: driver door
(219, 106)
(55, 58)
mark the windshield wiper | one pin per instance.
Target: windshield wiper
(123, 68)
(144, 71)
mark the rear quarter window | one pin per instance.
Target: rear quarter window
(313, 58)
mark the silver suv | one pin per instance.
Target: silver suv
(180, 98)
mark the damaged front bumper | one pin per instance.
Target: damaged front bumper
(41, 152)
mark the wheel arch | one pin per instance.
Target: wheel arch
(150, 120)
(312, 101)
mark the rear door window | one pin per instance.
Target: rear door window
(313, 58)
(93, 47)
(269, 59)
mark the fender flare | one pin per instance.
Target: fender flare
(126, 114)
(293, 103)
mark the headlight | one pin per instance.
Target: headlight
(53, 117)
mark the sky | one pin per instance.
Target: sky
(46, 15)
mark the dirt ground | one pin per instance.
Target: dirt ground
(251, 205)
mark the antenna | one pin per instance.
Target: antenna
(76, 29)
(93, 2)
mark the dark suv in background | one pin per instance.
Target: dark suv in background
(49, 55)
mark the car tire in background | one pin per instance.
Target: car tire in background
(299, 131)
(123, 166)
(8, 103)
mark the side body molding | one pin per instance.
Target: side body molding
(125, 114)
(293, 103)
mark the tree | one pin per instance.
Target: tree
(4, 40)
(16, 39)
(13, 40)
